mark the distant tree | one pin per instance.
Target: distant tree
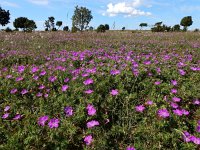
(66, 28)
(186, 22)
(176, 27)
(20, 23)
(158, 24)
(101, 28)
(30, 25)
(74, 29)
(143, 25)
(4, 17)
(91, 28)
(81, 18)
(107, 27)
(123, 28)
(59, 24)
(50, 24)
(8, 29)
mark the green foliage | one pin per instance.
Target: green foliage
(176, 28)
(8, 29)
(123, 28)
(4, 16)
(50, 24)
(25, 24)
(74, 29)
(143, 25)
(91, 28)
(66, 28)
(160, 28)
(186, 22)
(59, 24)
(101, 28)
(81, 18)
(107, 27)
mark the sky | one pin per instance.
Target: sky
(127, 13)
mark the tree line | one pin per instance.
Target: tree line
(80, 21)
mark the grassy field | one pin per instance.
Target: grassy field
(100, 91)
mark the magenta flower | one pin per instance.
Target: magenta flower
(198, 129)
(149, 102)
(178, 112)
(140, 108)
(114, 92)
(176, 99)
(89, 91)
(88, 81)
(7, 108)
(42, 73)
(34, 69)
(5, 116)
(182, 72)
(186, 136)
(157, 82)
(17, 117)
(88, 139)
(174, 82)
(41, 87)
(24, 91)
(42, 120)
(68, 111)
(92, 123)
(163, 113)
(66, 80)
(91, 110)
(19, 79)
(39, 94)
(52, 78)
(130, 148)
(174, 105)
(196, 102)
(64, 88)
(13, 91)
(21, 69)
(114, 72)
(54, 123)
(173, 91)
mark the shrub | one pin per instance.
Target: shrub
(101, 28)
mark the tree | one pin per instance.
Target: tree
(66, 28)
(158, 24)
(81, 18)
(25, 24)
(4, 17)
(107, 27)
(123, 28)
(143, 25)
(91, 28)
(176, 27)
(49, 24)
(59, 24)
(186, 22)
(101, 28)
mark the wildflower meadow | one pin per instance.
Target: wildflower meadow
(118, 90)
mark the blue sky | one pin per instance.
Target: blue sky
(127, 13)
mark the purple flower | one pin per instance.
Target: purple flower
(182, 72)
(140, 108)
(92, 123)
(65, 87)
(91, 110)
(195, 140)
(42, 73)
(185, 112)
(21, 69)
(174, 82)
(68, 111)
(17, 117)
(196, 102)
(114, 72)
(89, 91)
(41, 87)
(42, 120)
(54, 123)
(24, 91)
(66, 80)
(174, 105)
(149, 102)
(34, 69)
(186, 136)
(52, 78)
(163, 113)
(173, 91)
(88, 139)
(176, 99)
(114, 92)
(5, 116)
(130, 148)
(19, 79)
(198, 129)
(157, 82)
(88, 81)
(7, 108)
(178, 112)
(13, 91)
(39, 94)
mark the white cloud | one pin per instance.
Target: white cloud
(9, 4)
(39, 2)
(128, 9)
